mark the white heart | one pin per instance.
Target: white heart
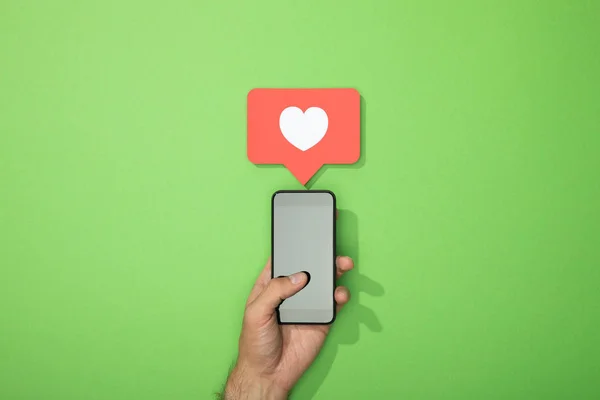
(303, 129)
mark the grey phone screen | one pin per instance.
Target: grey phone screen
(304, 240)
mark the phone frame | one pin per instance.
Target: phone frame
(333, 266)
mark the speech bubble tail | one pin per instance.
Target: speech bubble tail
(303, 172)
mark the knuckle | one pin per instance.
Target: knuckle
(274, 285)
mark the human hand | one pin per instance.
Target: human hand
(273, 357)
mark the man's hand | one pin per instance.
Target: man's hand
(273, 357)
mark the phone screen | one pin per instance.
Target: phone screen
(303, 229)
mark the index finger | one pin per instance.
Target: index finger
(262, 281)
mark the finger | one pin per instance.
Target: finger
(277, 291)
(262, 281)
(265, 274)
(343, 264)
(342, 296)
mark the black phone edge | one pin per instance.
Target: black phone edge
(334, 251)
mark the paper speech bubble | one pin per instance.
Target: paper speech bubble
(303, 129)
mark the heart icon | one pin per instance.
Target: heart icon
(303, 129)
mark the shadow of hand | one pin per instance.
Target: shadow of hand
(346, 328)
(355, 314)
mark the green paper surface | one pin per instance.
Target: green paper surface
(132, 225)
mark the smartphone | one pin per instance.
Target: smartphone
(303, 225)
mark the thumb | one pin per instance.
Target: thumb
(279, 289)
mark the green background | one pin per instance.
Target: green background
(132, 225)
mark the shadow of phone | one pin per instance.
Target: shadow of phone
(347, 326)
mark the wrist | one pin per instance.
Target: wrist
(244, 384)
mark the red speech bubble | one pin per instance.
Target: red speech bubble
(303, 129)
